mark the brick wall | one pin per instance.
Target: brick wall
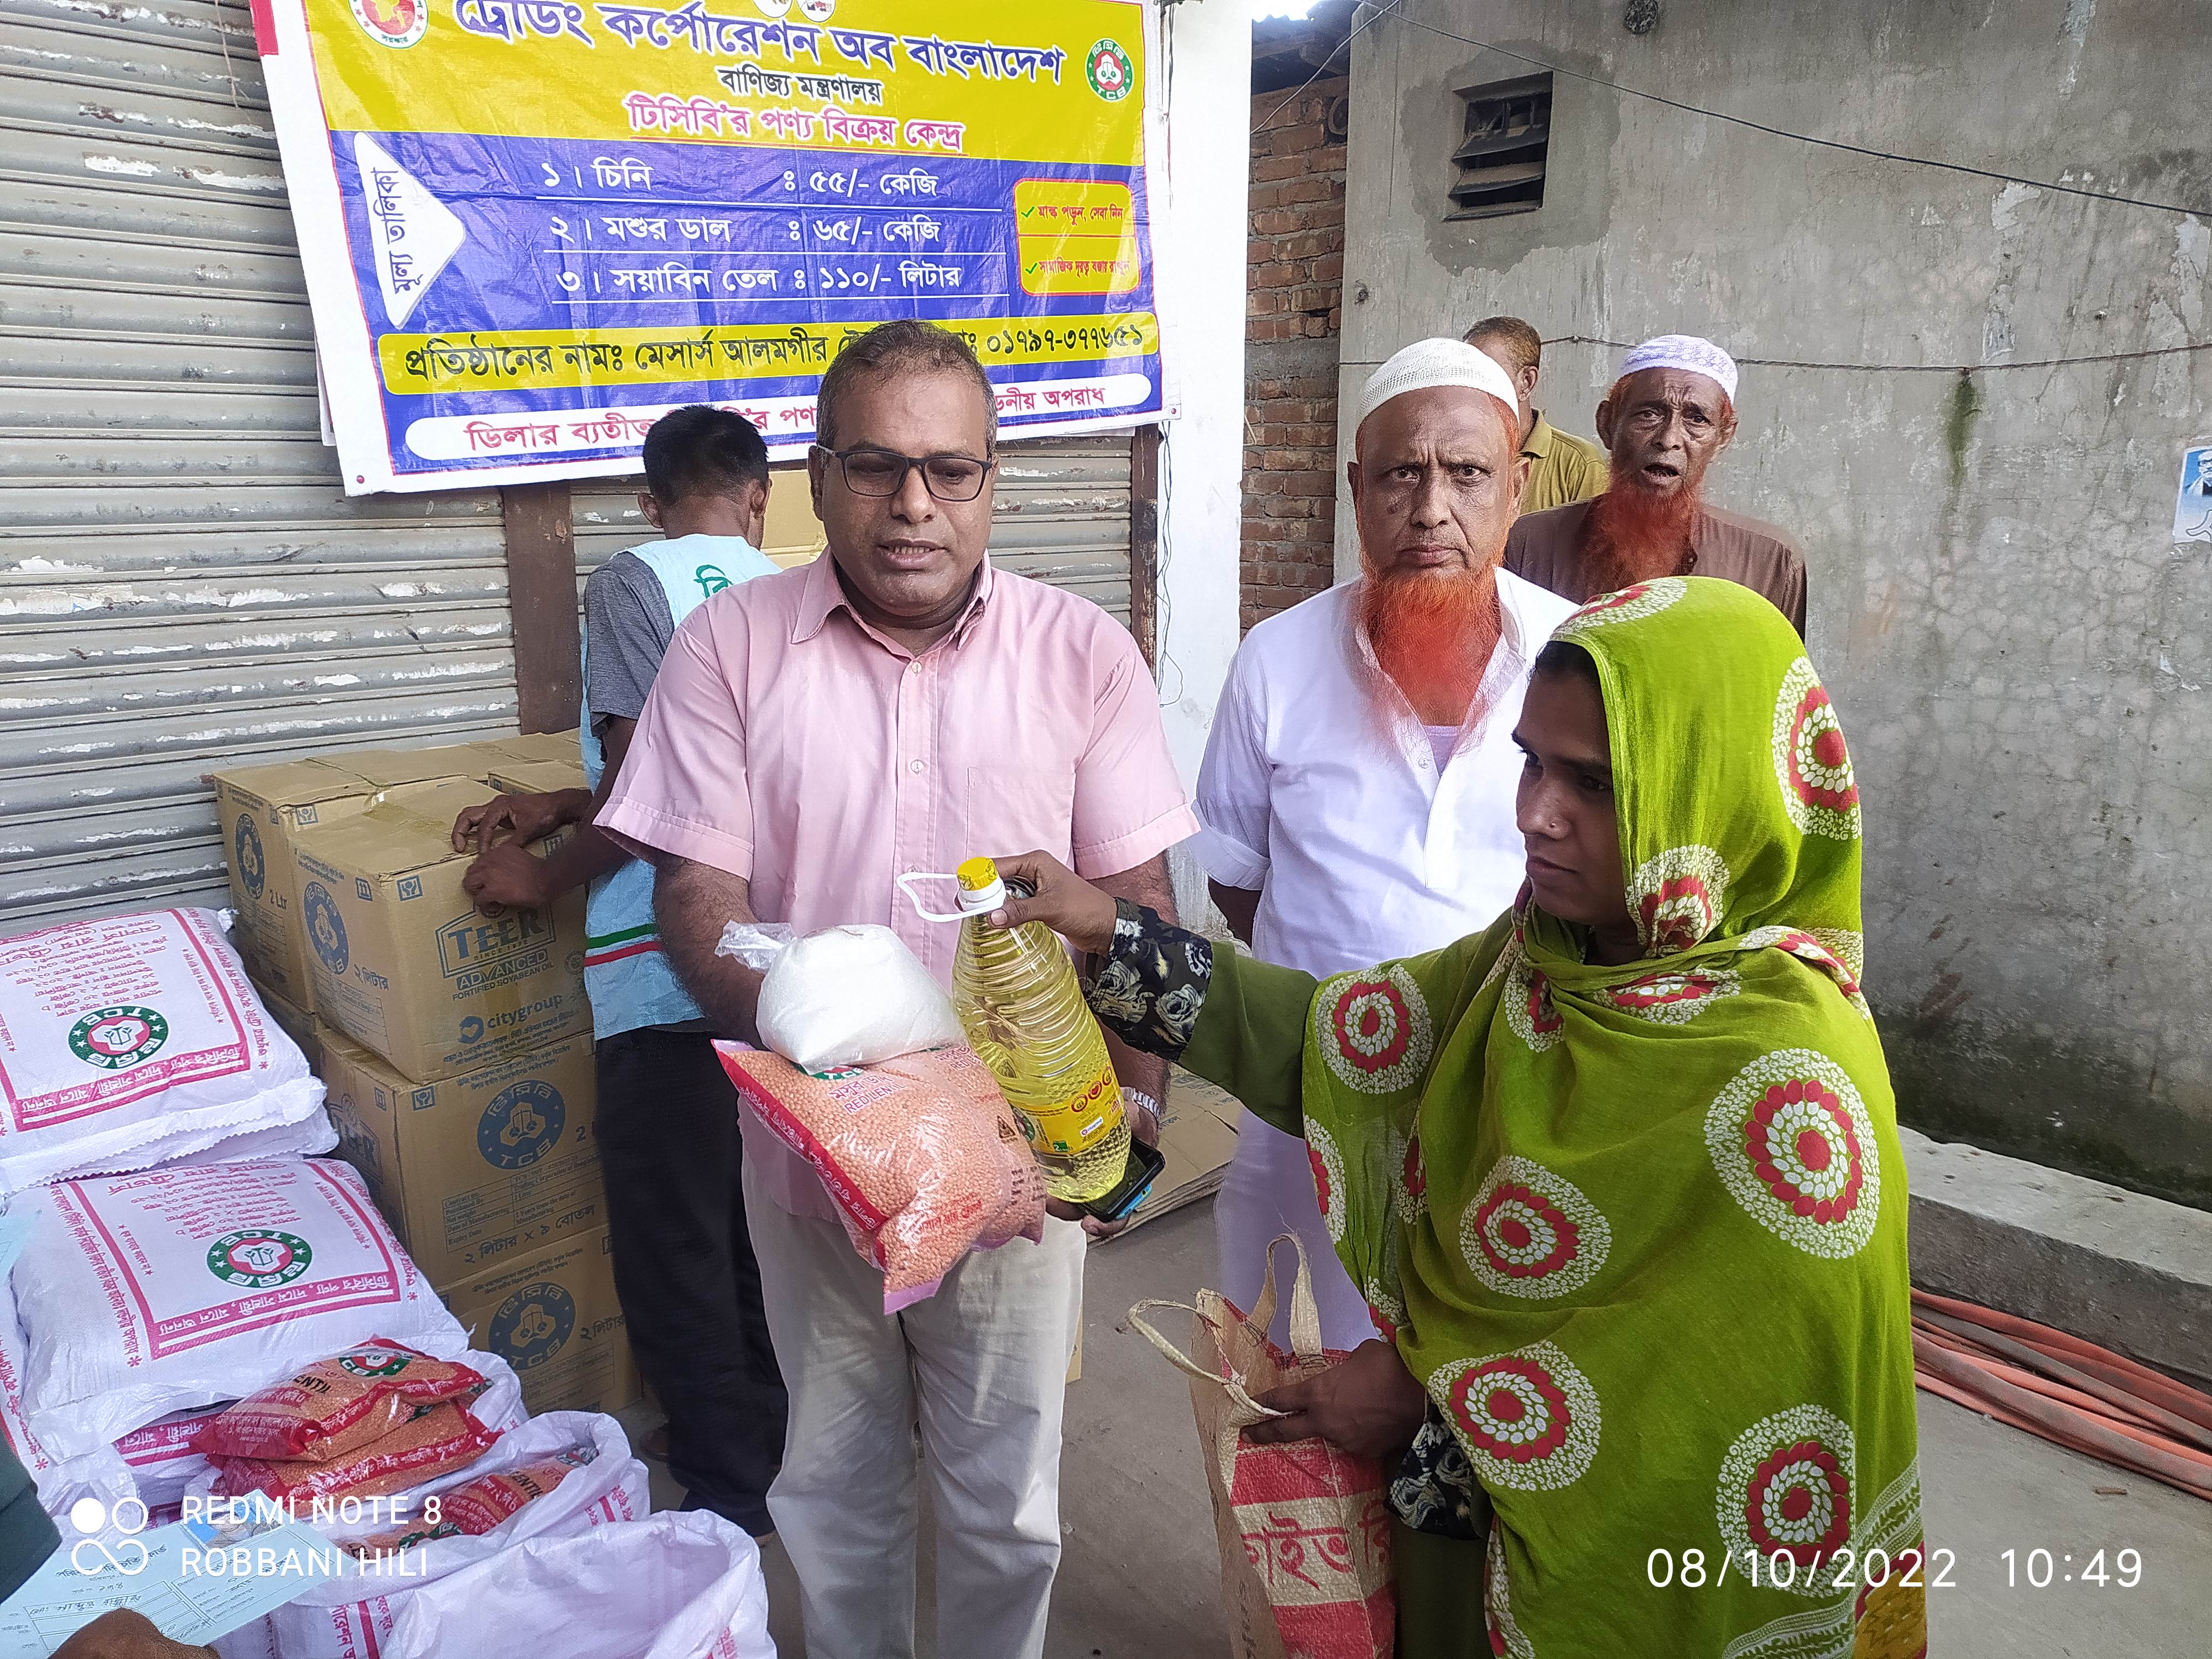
(1293, 313)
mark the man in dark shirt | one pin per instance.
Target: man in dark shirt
(1666, 421)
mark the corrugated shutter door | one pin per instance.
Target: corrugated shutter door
(1062, 517)
(184, 586)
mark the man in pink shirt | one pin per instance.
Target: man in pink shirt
(897, 706)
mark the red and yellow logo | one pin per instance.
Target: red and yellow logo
(392, 22)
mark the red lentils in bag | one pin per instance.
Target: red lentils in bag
(337, 1405)
(439, 1440)
(482, 1504)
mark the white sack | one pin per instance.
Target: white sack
(126, 1041)
(678, 1586)
(851, 996)
(352, 1617)
(147, 1294)
(99, 1474)
(310, 1135)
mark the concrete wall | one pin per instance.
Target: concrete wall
(2022, 656)
(1200, 247)
(1292, 317)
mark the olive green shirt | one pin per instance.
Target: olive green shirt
(1562, 468)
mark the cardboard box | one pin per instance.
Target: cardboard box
(555, 1320)
(263, 808)
(472, 1170)
(537, 777)
(525, 751)
(297, 1023)
(404, 963)
(1198, 1137)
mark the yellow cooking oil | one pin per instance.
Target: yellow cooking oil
(1022, 1007)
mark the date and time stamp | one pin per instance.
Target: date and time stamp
(2038, 1568)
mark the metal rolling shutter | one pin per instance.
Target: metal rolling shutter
(1062, 517)
(184, 586)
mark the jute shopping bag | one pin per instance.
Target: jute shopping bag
(1304, 1528)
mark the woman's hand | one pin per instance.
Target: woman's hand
(1064, 901)
(1369, 1404)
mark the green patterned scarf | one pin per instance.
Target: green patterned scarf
(1641, 1230)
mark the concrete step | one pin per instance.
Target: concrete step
(2130, 1273)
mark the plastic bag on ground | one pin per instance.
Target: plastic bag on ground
(147, 1294)
(352, 1617)
(678, 1586)
(130, 1041)
(920, 1154)
(851, 996)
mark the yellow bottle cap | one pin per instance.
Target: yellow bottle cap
(976, 874)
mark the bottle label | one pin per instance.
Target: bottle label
(1081, 1120)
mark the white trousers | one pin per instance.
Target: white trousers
(1267, 1190)
(982, 1366)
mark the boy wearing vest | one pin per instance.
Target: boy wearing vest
(668, 1116)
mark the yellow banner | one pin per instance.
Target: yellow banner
(975, 78)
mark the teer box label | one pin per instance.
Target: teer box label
(404, 962)
(493, 1166)
(554, 1318)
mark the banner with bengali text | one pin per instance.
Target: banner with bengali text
(531, 227)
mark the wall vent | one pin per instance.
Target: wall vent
(1498, 167)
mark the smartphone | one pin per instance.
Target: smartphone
(1143, 1167)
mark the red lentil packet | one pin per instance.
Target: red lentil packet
(437, 1441)
(337, 1405)
(482, 1504)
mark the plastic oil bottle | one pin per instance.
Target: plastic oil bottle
(1022, 1008)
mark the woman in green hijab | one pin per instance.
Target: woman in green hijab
(1620, 1177)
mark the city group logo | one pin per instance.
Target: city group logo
(522, 1124)
(112, 1038)
(258, 1259)
(245, 848)
(533, 1325)
(325, 927)
(1110, 72)
(90, 1517)
(392, 22)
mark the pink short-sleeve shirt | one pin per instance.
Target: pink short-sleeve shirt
(787, 742)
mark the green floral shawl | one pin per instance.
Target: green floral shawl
(1641, 1230)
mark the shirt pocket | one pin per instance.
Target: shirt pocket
(1017, 809)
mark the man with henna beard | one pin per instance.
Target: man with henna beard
(1670, 413)
(1358, 792)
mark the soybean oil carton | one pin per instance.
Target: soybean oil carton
(404, 963)
(264, 809)
(491, 1166)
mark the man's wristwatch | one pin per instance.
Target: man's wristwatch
(1136, 1101)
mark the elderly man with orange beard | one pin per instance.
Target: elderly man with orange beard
(1670, 414)
(1358, 792)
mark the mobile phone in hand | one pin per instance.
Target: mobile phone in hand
(1143, 1167)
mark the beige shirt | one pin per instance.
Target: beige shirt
(1547, 549)
(1562, 468)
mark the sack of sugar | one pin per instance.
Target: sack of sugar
(146, 1294)
(920, 1155)
(130, 1041)
(851, 996)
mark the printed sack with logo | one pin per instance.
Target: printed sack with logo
(147, 1294)
(920, 1154)
(351, 1617)
(100, 1475)
(128, 1041)
(679, 1585)
(1304, 1528)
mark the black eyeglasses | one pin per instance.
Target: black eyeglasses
(880, 472)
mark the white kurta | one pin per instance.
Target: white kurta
(1332, 806)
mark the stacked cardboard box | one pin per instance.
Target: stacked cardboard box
(456, 1044)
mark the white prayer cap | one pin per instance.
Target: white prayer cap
(1683, 351)
(1427, 363)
